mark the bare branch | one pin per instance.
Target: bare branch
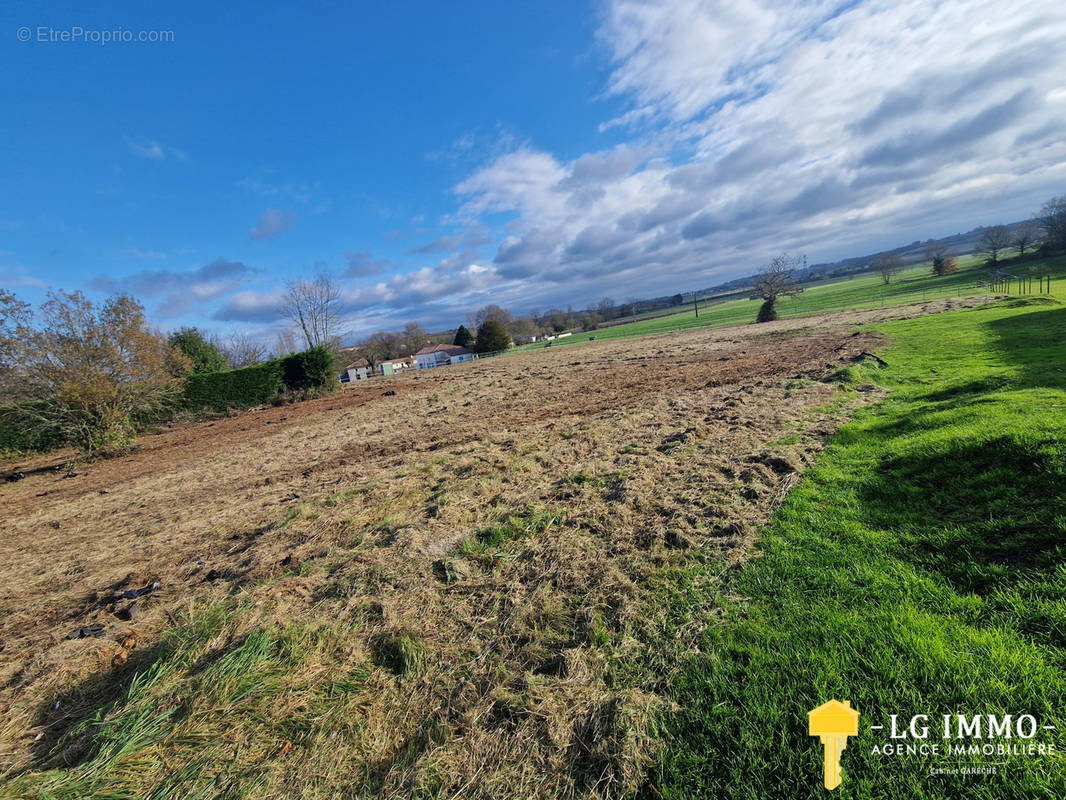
(314, 307)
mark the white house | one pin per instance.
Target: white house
(357, 371)
(439, 355)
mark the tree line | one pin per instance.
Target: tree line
(1042, 236)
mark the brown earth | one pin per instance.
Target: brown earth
(604, 468)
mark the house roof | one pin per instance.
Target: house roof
(450, 349)
(362, 362)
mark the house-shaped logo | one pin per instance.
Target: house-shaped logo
(833, 723)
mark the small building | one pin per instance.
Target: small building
(391, 366)
(439, 355)
(357, 371)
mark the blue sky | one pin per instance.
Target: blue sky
(439, 156)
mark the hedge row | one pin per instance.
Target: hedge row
(250, 386)
(253, 386)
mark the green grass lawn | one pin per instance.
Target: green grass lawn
(862, 291)
(918, 568)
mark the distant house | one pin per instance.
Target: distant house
(439, 355)
(391, 366)
(357, 371)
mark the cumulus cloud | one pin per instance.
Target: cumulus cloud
(746, 127)
(179, 291)
(272, 223)
(436, 295)
(251, 306)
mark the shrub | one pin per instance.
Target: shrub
(767, 312)
(18, 434)
(944, 265)
(203, 354)
(84, 372)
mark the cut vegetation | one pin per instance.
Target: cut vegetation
(448, 589)
(523, 578)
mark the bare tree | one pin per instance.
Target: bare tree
(994, 240)
(314, 306)
(413, 338)
(1052, 218)
(888, 265)
(1026, 237)
(285, 343)
(380, 346)
(606, 308)
(241, 350)
(776, 281)
(493, 312)
(523, 328)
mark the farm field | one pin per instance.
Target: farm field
(449, 588)
(913, 285)
(525, 576)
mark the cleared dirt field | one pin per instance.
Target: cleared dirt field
(453, 577)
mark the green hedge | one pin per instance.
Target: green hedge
(253, 386)
(309, 369)
(250, 386)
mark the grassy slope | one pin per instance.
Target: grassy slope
(864, 291)
(919, 567)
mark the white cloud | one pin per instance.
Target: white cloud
(179, 291)
(827, 127)
(437, 295)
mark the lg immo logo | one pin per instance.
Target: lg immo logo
(833, 722)
(956, 744)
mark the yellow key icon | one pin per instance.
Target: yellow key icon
(833, 723)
